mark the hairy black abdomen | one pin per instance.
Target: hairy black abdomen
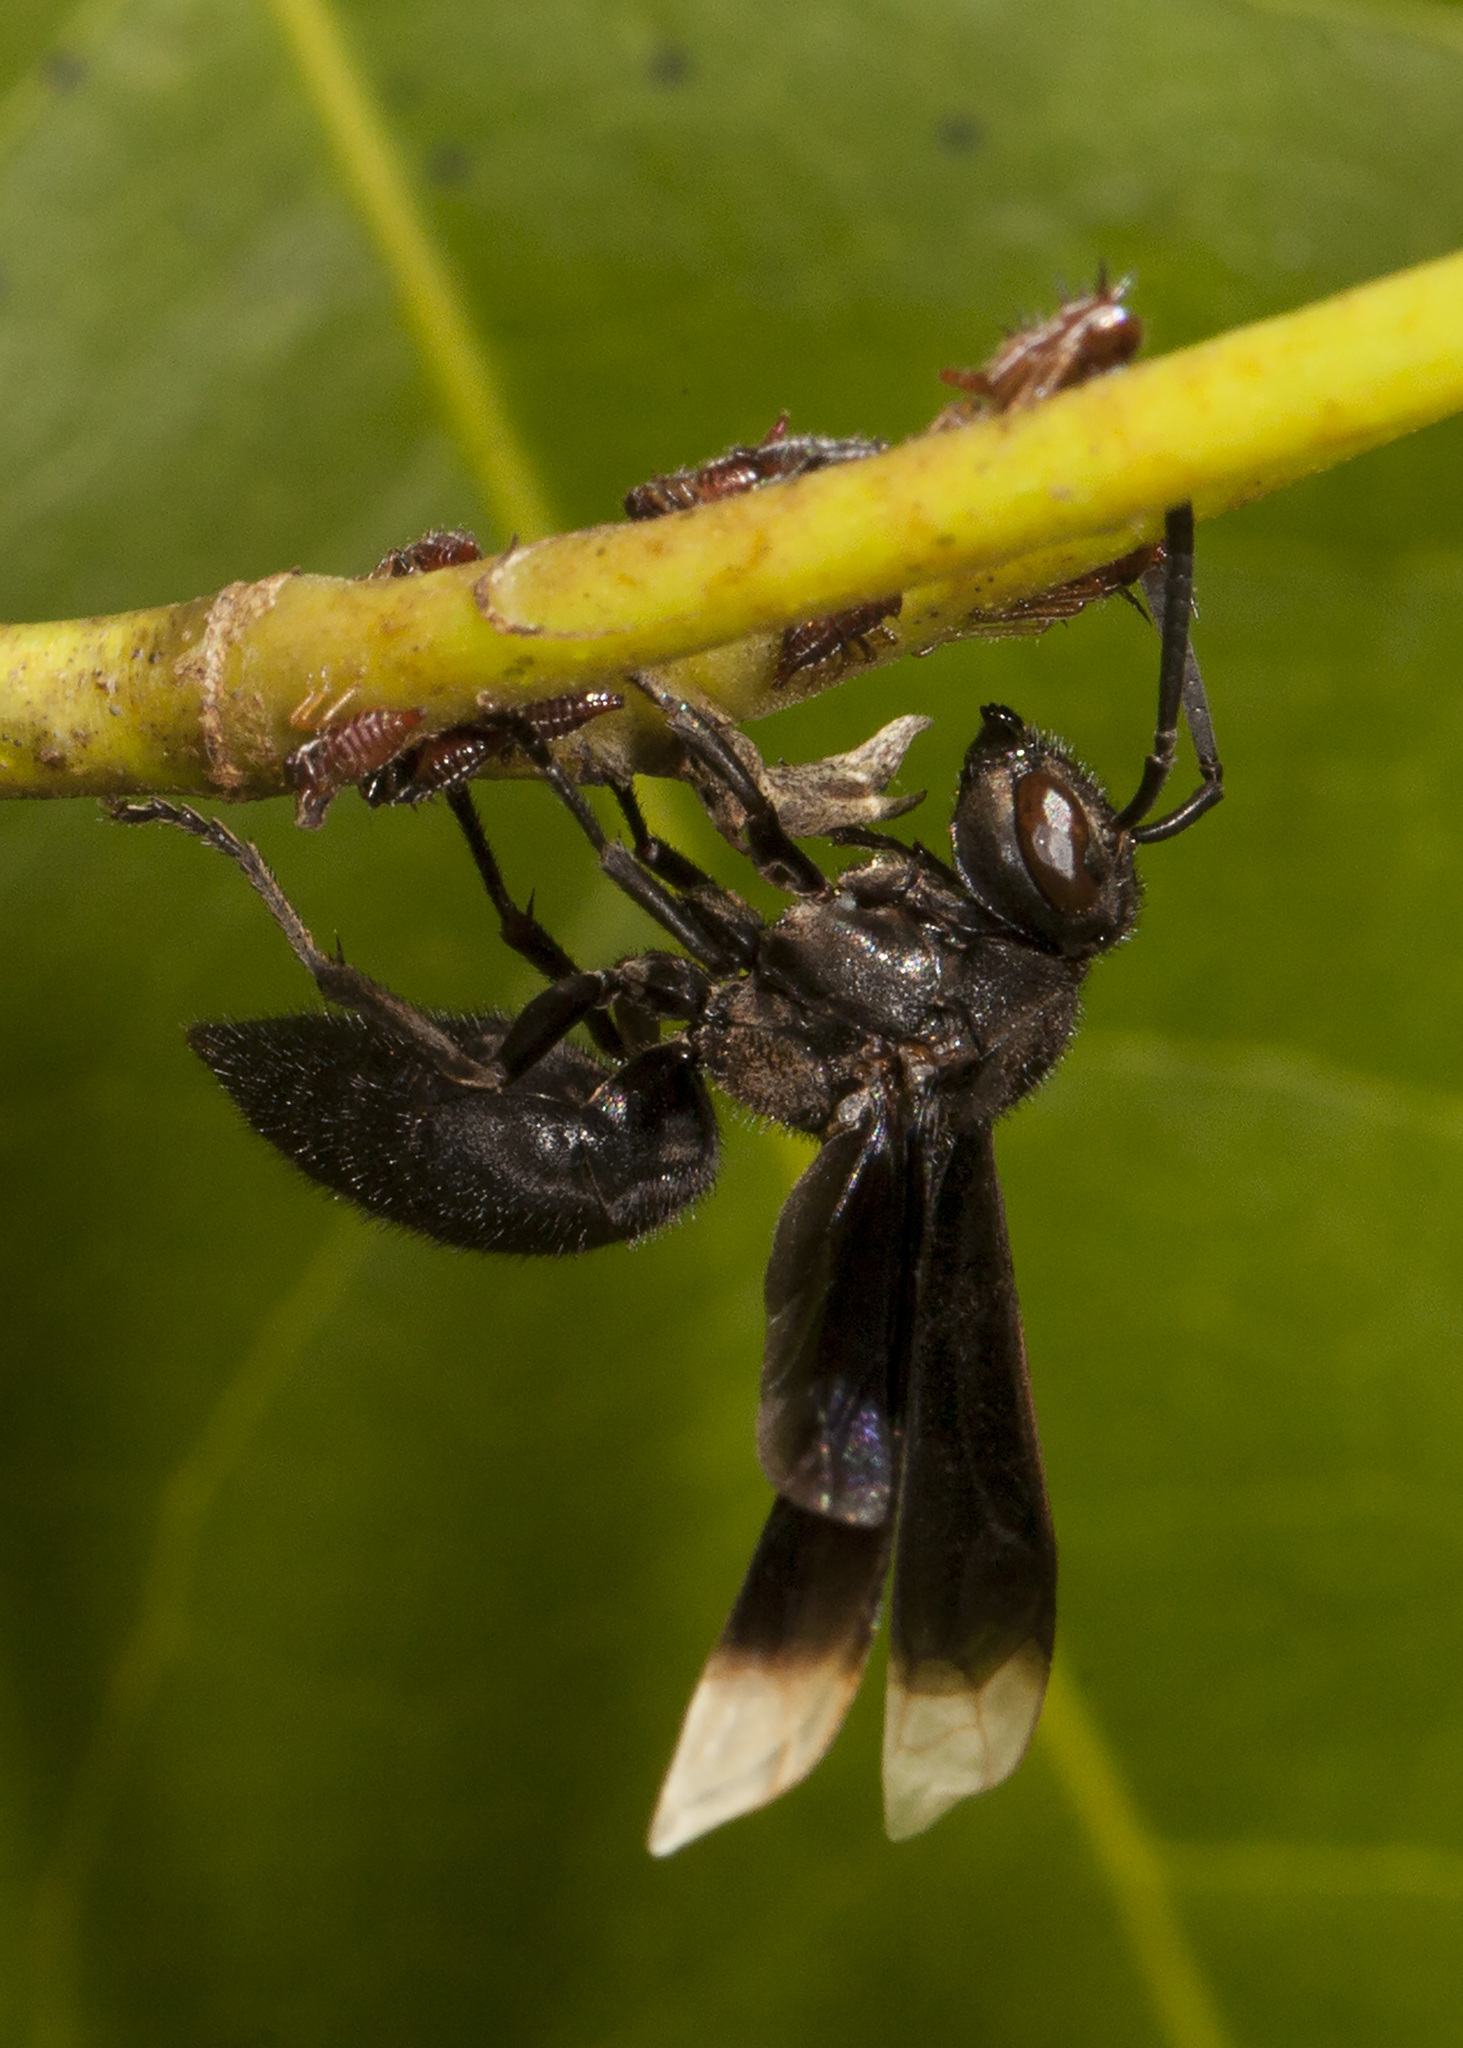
(569, 1157)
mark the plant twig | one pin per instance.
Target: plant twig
(197, 697)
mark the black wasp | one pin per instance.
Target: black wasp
(894, 1014)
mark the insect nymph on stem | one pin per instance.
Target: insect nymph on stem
(394, 756)
(1088, 336)
(893, 1014)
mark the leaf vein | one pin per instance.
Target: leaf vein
(454, 356)
(159, 1631)
(1134, 1862)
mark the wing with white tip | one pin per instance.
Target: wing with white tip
(779, 1682)
(974, 1606)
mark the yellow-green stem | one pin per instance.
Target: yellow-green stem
(199, 697)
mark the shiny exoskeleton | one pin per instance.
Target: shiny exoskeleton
(893, 1013)
(320, 768)
(1085, 338)
(439, 763)
(378, 750)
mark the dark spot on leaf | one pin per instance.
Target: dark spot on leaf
(449, 164)
(670, 65)
(65, 70)
(960, 134)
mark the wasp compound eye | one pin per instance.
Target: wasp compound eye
(1054, 836)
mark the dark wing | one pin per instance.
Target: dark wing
(974, 1604)
(837, 1283)
(779, 1682)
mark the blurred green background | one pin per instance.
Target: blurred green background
(351, 1590)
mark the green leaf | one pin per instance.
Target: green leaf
(352, 1590)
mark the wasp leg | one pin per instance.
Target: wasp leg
(885, 842)
(337, 982)
(707, 895)
(776, 857)
(661, 985)
(1201, 731)
(1180, 689)
(520, 929)
(653, 853)
(720, 945)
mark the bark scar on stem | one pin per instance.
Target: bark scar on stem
(484, 593)
(232, 612)
(486, 590)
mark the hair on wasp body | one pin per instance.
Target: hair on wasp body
(894, 1015)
